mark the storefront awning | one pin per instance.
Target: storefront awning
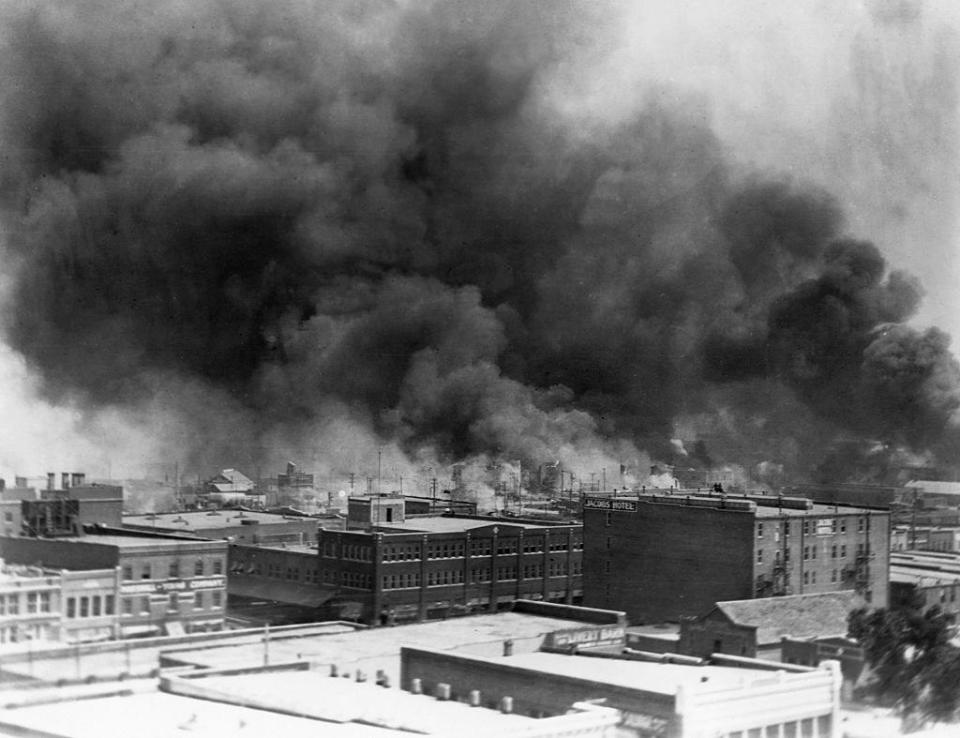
(304, 595)
(133, 631)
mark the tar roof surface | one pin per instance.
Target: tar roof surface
(452, 524)
(766, 505)
(213, 519)
(134, 541)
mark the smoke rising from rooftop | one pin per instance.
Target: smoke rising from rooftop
(439, 229)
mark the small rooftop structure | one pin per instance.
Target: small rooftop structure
(797, 616)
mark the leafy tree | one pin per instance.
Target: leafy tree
(914, 667)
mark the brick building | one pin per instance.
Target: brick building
(166, 584)
(389, 568)
(32, 510)
(663, 557)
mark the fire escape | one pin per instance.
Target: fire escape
(777, 582)
(858, 573)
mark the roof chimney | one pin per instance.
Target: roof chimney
(65, 480)
(51, 480)
(77, 479)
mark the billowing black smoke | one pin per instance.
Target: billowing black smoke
(374, 207)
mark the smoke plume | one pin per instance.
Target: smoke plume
(426, 228)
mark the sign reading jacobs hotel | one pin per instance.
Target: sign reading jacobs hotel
(609, 503)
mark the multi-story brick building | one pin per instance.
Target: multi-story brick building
(663, 557)
(167, 584)
(392, 568)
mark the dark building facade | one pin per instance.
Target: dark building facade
(460, 565)
(665, 557)
(422, 568)
(58, 511)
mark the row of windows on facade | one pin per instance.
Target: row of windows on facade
(835, 551)
(449, 549)
(175, 600)
(327, 576)
(477, 576)
(92, 606)
(837, 525)
(173, 569)
(26, 632)
(32, 603)
(276, 571)
(810, 577)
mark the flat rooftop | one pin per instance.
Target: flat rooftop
(204, 520)
(289, 548)
(766, 505)
(817, 509)
(379, 648)
(132, 541)
(162, 714)
(344, 700)
(939, 561)
(664, 631)
(648, 676)
(454, 524)
(923, 577)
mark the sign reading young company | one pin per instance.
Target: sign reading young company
(174, 585)
(609, 503)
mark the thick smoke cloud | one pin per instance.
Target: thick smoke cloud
(293, 230)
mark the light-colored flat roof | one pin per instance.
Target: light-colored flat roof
(379, 648)
(923, 577)
(187, 521)
(666, 631)
(766, 505)
(648, 676)
(763, 511)
(132, 541)
(290, 547)
(159, 715)
(338, 699)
